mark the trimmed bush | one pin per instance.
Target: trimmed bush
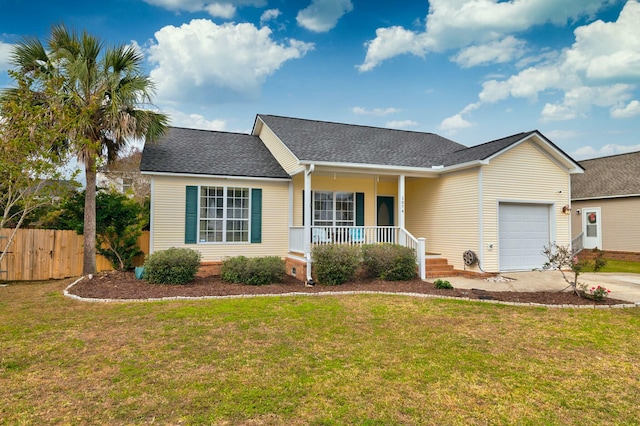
(442, 284)
(253, 270)
(172, 266)
(335, 264)
(390, 262)
(233, 269)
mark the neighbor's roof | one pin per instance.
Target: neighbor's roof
(321, 141)
(614, 176)
(205, 152)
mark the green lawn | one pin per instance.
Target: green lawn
(359, 359)
(619, 266)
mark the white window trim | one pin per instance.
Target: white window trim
(224, 218)
(334, 201)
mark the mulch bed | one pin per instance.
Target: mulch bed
(124, 285)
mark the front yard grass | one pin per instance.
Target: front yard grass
(618, 266)
(353, 359)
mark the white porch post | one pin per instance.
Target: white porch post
(307, 219)
(422, 262)
(401, 201)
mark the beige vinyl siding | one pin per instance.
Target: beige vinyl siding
(444, 211)
(620, 221)
(321, 182)
(523, 175)
(287, 160)
(169, 217)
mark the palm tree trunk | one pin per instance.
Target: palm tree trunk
(89, 265)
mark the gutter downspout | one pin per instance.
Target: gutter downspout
(307, 221)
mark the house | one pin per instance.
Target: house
(123, 176)
(606, 205)
(295, 183)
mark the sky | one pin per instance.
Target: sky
(469, 70)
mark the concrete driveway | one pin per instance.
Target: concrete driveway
(623, 286)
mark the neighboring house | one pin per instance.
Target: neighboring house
(130, 183)
(293, 184)
(606, 205)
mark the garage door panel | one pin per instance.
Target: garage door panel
(523, 234)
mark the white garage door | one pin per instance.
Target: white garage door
(523, 234)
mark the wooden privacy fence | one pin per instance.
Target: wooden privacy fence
(43, 254)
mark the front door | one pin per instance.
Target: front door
(385, 211)
(385, 217)
(592, 227)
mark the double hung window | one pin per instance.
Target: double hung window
(224, 214)
(333, 208)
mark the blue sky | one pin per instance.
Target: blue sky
(469, 70)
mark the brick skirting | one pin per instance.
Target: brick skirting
(588, 254)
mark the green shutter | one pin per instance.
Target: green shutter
(359, 208)
(191, 216)
(256, 215)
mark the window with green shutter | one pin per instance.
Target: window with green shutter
(226, 215)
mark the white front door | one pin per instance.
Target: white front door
(592, 228)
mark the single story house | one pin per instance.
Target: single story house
(295, 183)
(606, 205)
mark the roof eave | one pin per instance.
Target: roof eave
(200, 175)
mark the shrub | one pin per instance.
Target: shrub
(233, 269)
(443, 284)
(335, 264)
(598, 259)
(172, 266)
(254, 270)
(389, 261)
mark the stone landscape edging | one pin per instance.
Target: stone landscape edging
(337, 293)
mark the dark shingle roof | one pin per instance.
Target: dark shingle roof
(311, 140)
(207, 152)
(483, 151)
(617, 175)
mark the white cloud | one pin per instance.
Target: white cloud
(390, 42)
(401, 124)
(602, 69)
(455, 122)
(632, 109)
(608, 50)
(5, 54)
(269, 15)
(455, 24)
(501, 51)
(203, 61)
(322, 15)
(379, 112)
(194, 121)
(219, 9)
(609, 149)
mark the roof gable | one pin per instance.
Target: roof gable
(605, 177)
(205, 152)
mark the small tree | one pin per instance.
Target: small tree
(119, 225)
(561, 258)
(31, 135)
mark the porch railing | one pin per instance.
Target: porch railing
(577, 244)
(357, 235)
(353, 235)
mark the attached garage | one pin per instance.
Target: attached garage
(524, 231)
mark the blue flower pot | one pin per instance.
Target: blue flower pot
(139, 272)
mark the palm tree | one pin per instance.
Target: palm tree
(106, 90)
